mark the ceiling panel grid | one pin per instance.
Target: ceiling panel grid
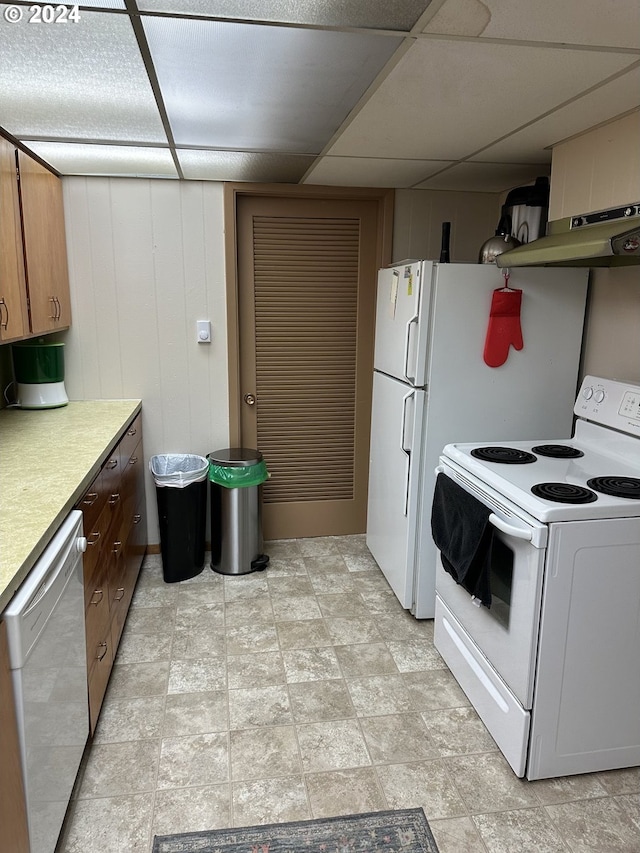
(434, 94)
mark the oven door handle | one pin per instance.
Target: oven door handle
(509, 529)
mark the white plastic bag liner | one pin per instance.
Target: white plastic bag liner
(178, 470)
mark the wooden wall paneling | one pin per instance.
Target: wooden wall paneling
(176, 335)
(418, 218)
(201, 242)
(82, 365)
(146, 262)
(135, 272)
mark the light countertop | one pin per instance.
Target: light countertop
(48, 458)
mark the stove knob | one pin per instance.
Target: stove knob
(599, 396)
(587, 393)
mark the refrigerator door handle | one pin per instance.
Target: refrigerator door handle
(405, 450)
(407, 339)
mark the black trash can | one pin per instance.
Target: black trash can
(236, 475)
(181, 493)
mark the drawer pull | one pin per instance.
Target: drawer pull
(133, 460)
(119, 594)
(4, 323)
(111, 464)
(96, 600)
(92, 538)
(103, 646)
(117, 547)
(132, 431)
(90, 499)
(137, 518)
(113, 500)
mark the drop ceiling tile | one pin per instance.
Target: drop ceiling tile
(388, 15)
(243, 166)
(371, 172)
(243, 86)
(607, 102)
(102, 4)
(589, 22)
(117, 160)
(444, 100)
(484, 177)
(82, 80)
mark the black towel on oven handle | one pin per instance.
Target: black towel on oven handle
(462, 532)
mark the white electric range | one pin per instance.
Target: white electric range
(551, 659)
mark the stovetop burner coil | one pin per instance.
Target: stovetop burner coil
(617, 487)
(564, 493)
(506, 455)
(557, 451)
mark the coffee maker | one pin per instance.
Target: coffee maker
(528, 208)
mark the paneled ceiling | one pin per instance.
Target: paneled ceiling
(447, 94)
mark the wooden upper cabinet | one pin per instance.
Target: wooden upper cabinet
(14, 323)
(45, 248)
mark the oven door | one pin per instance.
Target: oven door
(507, 632)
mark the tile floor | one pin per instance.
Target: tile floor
(306, 691)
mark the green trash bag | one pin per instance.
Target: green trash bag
(238, 476)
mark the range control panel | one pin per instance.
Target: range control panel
(610, 403)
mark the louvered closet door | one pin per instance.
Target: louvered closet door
(307, 272)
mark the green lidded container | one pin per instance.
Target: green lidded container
(38, 362)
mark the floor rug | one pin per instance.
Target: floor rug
(403, 831)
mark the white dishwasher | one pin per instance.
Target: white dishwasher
(45, 627)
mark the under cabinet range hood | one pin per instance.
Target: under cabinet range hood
(605, 238)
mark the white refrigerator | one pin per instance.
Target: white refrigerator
(432, 386)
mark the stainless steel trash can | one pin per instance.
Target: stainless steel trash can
(236, 475)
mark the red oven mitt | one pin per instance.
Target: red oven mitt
(504, 329)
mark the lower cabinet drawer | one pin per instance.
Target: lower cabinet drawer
(120, 599)
(97, 619)
(92, 502)
(116, 531)
(98, 678)
(94, 557)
